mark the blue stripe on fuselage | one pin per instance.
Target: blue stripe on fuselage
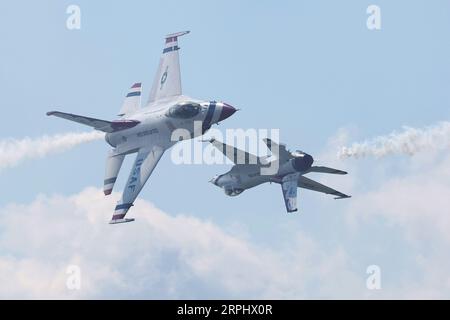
(209, 115)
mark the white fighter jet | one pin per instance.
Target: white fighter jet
(147, 131)
(289, 172)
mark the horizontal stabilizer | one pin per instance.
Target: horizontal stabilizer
(113, 164)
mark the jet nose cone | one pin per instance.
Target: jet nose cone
(214, 180)
(227, 111)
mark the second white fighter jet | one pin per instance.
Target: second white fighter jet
(288, 170)
(148, 131)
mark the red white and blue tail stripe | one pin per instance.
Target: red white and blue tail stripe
(167, 81)
(132, 100)
(172, 41)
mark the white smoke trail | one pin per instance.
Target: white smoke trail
(13, 151)
(410, 141)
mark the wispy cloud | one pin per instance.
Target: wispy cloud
(158, 256)
(412, 203)
(13, 151)
(409, 141)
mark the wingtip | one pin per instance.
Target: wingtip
(118, 221)
(50, 113)
(343, 197)
(177, 34)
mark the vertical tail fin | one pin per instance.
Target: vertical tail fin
(289, 188)
(132, 101)
(167, 81)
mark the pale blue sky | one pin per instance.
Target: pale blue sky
(308, 68)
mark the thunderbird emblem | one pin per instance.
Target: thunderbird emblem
(164, 77)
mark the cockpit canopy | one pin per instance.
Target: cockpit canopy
(298, 153)
(184, 110)
(232, 191)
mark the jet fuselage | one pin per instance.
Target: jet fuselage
(157, 124)
(242, 177)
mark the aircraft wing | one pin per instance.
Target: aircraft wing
(234, 154)
(146, 161)
(309, 184)
(325, 170)
(102, 125)
(167, 81)
(279, 150)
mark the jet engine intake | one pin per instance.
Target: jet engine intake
(302, 163)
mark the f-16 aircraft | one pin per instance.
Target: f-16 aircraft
(289, 172)
(147, 131)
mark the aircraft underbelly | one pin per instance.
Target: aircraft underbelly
(129, 140)
(253, 181)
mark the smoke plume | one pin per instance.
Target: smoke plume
(14, 151)
(409, 141)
